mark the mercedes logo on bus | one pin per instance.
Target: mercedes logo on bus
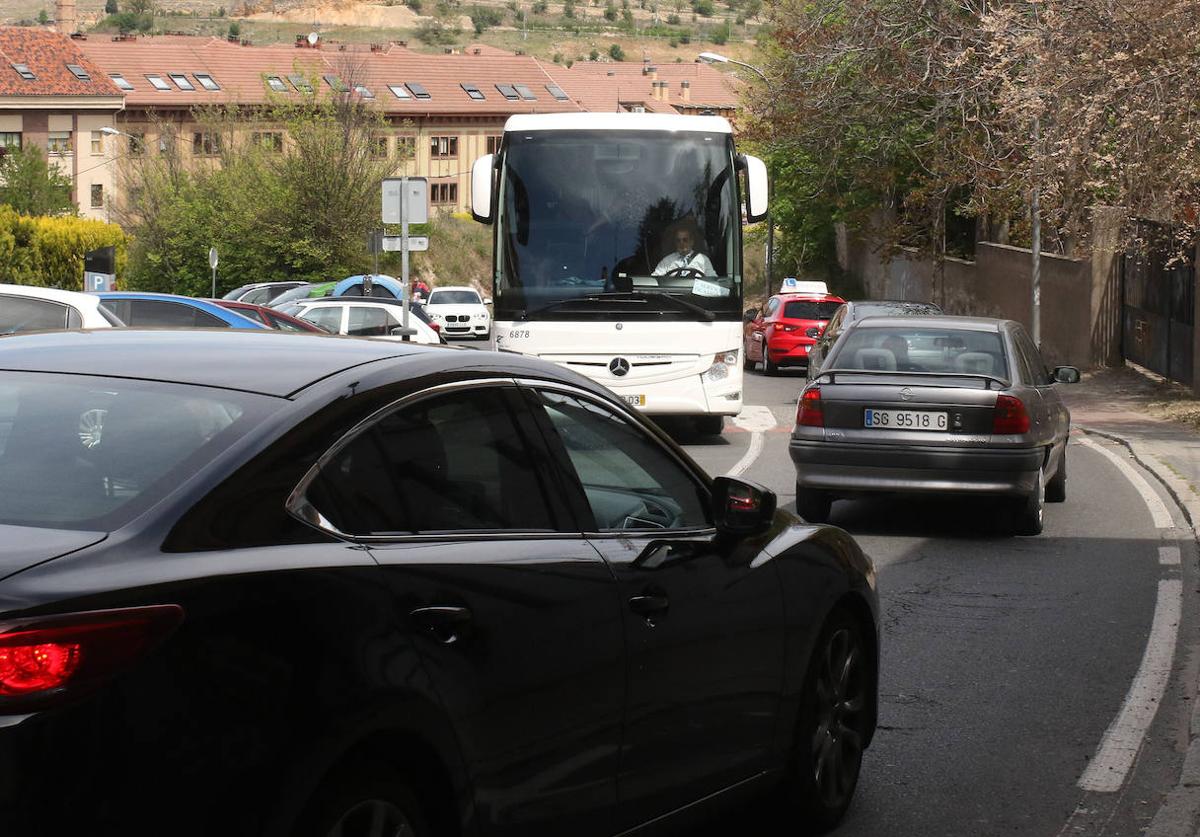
(619, 366)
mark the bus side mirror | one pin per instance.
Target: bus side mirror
(481, 188)
(756, 189)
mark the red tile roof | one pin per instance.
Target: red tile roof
(47, 55)
(597, 84)
(241, 70)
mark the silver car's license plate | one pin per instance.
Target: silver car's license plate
(904, 420)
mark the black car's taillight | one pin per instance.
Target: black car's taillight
(46, 660)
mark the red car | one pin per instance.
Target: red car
(786, 329)
(269, 316)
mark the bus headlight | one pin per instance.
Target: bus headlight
(722, 361)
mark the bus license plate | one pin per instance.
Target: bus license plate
(634, 400)
(904, 420)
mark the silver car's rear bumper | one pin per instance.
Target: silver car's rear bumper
(853, 468)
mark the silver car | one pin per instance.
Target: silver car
(955, 405)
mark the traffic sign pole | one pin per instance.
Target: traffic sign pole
(212, 262)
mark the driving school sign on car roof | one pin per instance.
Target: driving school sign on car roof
(792, 285)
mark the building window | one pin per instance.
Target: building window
(206, 143)
(181, 81)
(206, 81)
(136, 144)
(493, 144)
(406, 146)
(268, 141)
(157, 82)
(97, 142)
(59, 142)
(9, 139)
(97, 196)
(443, 146)
(276, 84)
(443, 193)
(379, 147)
(120, 81)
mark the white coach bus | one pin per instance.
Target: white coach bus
(618, 253)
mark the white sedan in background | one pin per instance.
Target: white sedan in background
(364, 317)
(30, 308)
(460, 312)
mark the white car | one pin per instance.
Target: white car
(460, 312)
(364, 317)
(30, 308)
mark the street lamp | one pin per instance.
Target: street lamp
(718, 58)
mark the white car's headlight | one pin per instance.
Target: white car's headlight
(722, 362)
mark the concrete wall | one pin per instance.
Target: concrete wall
(997, 284)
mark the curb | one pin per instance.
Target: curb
(1180, 811)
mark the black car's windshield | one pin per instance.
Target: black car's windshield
(89, 453)
(888, 349)
(585, 213)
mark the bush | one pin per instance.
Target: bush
(594, 55)
(540, 7)
(415, 5)
(705, 8)
(673, 19)
(616, 53)
(610, 11)
(48, 251)
(569, 9)
(110, 7)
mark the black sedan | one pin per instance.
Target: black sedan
(254, 583)
(935, 405)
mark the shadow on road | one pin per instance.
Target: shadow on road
(931, 517)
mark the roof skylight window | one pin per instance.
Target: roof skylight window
(336, 83)
(276, 84)
(557, 92)
(508, 92)
(206, 81)
(181, 81)
(24, 72)
(300, 83)
(418, 90)
(524, 92)
(399, 91)
(364, 91)
(79, 72)
(119, 81)
(157, 82)
(473, 91)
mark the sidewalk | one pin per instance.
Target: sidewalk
(1159, 423)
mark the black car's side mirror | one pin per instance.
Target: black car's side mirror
(750, 315)
(1066, 375)
(740, 507)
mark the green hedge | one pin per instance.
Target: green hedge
(48, 250)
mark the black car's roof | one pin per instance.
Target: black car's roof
(935, 320)
(264, 361)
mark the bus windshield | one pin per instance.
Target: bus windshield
(608, 225)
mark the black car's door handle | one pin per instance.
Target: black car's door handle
(446, 624)
(649, 604)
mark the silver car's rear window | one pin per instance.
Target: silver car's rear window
(80, 452)
(921, 350)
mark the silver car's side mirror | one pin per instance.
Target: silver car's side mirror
(1066, 375)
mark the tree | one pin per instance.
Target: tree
(235, 30)
(43, 17)
(300, 211)
(610, 11)
(616, 53)
(31, 186)
(569, 9)
(110, 7)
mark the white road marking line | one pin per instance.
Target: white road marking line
(1169, 556)
(1158, 509)
(757, 419)
(1119, 747)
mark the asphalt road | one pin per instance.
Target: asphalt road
(1005, 659)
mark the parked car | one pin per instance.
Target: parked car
(853, 310)
(149, 310)
(261, 293)
(311, 290)
(270, 317)
(372, 285)
(355, 584)
(460, 311)
(784, 331)
(953, 405)
(30, 308)
(357, 317)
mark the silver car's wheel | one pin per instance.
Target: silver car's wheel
(1030, 511)
(833, 726)
(1056, 489)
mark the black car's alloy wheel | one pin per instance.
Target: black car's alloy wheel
(371, 801)
(831, 735)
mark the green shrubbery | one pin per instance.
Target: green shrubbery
(48, 250)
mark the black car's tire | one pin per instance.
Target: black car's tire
(1029, 511)
(832, 730)
(769, 368)
(1056, 489)
(813, 505)
(350, 799)
(710, 425)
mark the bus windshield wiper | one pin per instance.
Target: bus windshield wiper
(629, 296)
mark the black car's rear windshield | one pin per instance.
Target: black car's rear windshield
(901, 349)
(802, 310)
(81, 452)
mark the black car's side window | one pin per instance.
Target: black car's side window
(629, 480)
(448, 463)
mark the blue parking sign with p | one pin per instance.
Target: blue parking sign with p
(97, 282)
